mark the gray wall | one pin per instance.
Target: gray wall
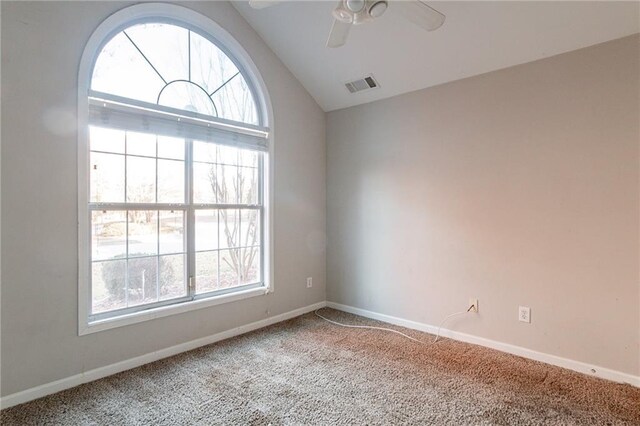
(41, 47)
(518, 187)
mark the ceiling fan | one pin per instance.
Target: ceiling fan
(356, 12)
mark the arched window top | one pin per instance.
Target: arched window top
(173, 66)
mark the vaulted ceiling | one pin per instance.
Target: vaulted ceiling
(477, 37)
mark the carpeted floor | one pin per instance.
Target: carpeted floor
(307, 371)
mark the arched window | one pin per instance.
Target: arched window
(173, 66)
(174, 154)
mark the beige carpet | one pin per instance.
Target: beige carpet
(307, 371)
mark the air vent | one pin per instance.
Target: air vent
(365, 83)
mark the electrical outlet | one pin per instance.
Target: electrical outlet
(524, 314)
(473, 305)
(309, 282)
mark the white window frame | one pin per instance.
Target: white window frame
(190, 19)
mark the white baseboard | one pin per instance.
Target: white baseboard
(580, 367)
(91, 375)
(98, 373)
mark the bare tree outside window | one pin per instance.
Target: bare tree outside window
(233, 99)
(242, 260)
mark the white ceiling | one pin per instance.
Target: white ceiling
(477, 37)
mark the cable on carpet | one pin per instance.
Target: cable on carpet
(396, 331)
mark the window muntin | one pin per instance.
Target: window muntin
(176, 208)
(172, 66)
(140, 214)
(138, 258)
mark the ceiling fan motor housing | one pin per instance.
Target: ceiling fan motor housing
(355, 5)
(359, 11)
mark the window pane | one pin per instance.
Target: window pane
(206, 230)
(204, 151)
(109, 140)
(172, 232)
(121, 70)
(141, 144)
(172, 277)
(227, 184)
(188, 97)
(210, 68)
(141, 180)
(249, 265)
(143, 232)
(170, 181)
(229, 268)
(204, 183)
(248, 182)
(206, 271)
(228, 155)
(109, 235)
(235, 102)
(165, 46)
(170, 148)
(229, 228)
(142, 280)
(248, 158)
(108, 285)
(107, 178)
(249, 228)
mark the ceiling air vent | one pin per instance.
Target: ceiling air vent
(365, 83)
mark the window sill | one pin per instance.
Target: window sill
(163, 311)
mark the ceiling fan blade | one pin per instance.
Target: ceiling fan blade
(339, 33)
(420, 14)
(261, 4)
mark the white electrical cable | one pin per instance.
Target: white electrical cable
(395, 331)
(446, 318)
(369, 327)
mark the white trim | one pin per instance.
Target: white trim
(580, 367)
(163, 311)
(98, 373)
(225, 41)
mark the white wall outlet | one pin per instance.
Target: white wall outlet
(524, 314)
(473, 305)
(309, 282)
